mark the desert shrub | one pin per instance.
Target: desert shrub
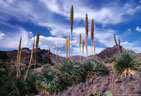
(50, 82)
(71, 71)
(93, 67)
(13, 86)
(125, 63)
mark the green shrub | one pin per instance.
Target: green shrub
(125, 64)
(94, 67)
(71, 71)
(50, 82)
(13, 86)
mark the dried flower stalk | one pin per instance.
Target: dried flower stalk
(115, 39)
(92, 35)
(31, 56)
(80, 42)
(71, 25)
(19, 58)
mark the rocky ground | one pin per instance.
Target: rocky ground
(118, 86)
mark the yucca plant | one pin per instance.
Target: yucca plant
(92, 34)
(93, 67)
(71, 71)
(115, 39)
(125, 63)
(50, 82)
(71, 25)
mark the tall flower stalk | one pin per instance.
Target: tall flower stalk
(119, 44)
(31, 57)
(115, 39)
(71, 25)
(66, 47)
(69, 45)
(92, 35)
(19, 58)
(86, 29)
(86, 45)
(83, 46)
(37, 42)
(80, 42)
(94, 48)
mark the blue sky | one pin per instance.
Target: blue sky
(51, 19)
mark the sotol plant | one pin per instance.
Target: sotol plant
(50, 82)
(71, 71)
(93, 67)
(125, 63)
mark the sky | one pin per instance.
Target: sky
(51, 19)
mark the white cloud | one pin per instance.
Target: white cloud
(11, 40)
(131, 46)
(138, 29)
(2, 35)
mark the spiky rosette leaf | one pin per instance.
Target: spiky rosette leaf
(50, 82)
(71, 71)
(94, 66)
(125, 63)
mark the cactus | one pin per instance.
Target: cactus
(71, 25)
(115, 39)
(109, 93)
